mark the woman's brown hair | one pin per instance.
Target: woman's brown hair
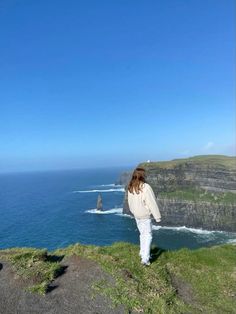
(137, 180)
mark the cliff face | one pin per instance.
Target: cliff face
(196, 192)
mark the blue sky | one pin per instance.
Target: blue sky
(111, 83)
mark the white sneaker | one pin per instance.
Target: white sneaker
(145, 263)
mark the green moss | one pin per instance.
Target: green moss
(40, 288)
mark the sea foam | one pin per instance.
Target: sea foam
(105, 190)
(186, 229)
(232, 241)
(111, 184)
(104, 212)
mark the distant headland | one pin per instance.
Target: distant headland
(198, 192)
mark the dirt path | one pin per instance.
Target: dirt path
(71, 292)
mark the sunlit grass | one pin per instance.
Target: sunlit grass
(183, 281)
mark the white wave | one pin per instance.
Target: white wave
(111, 184)
(186, 229)
(104, 212)
(231, 241)
(106, 190)
(125, 215)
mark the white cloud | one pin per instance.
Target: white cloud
(209, 146)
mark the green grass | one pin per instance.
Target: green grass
(197, 195)
(34, 265)
(139, 288)
(228, 162)
(183, 281)
(210, 272)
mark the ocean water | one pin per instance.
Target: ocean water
(54, 209)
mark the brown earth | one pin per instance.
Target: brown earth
(70, 293)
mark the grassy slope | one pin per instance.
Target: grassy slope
(205, 278)
(228, 162)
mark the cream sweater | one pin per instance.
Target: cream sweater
(144, 204)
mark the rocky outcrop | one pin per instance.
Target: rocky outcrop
(197, 192)
(124, 178)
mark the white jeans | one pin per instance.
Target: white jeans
(145, 235)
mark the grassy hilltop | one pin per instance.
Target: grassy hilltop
(228, 162)
(183, 281)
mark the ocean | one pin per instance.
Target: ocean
(54, 209)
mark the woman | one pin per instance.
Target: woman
(142, 203)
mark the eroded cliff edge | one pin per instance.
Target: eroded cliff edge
(198, 192)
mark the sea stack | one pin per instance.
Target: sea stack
(99, 202)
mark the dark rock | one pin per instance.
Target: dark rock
(99, 202)
(124, 178)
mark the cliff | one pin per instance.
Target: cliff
(110, 279)
(198, 192)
